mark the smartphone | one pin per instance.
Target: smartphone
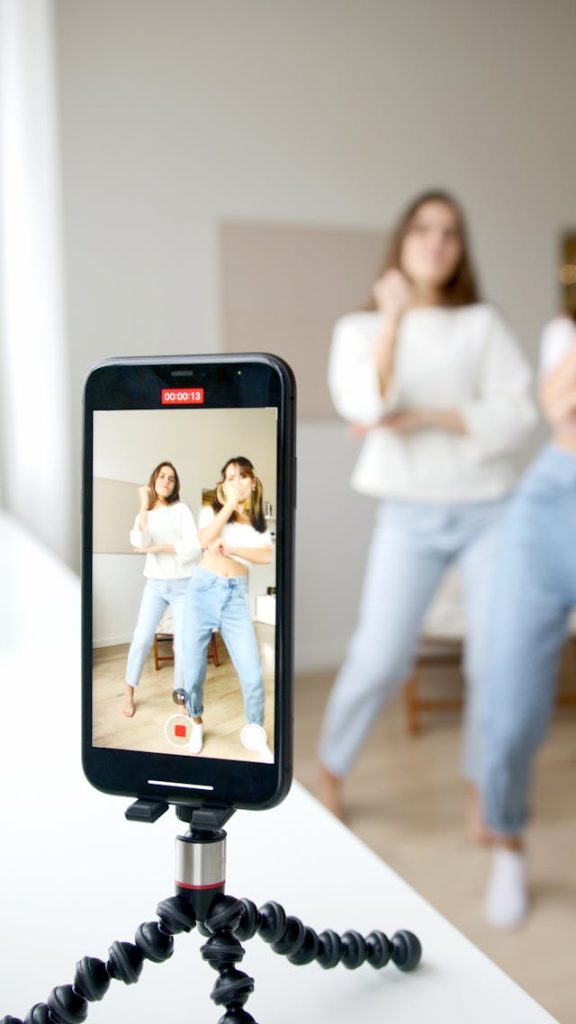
(187, 581)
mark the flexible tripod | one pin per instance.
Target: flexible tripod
(224, 921)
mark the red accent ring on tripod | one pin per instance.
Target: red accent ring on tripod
(198, 888)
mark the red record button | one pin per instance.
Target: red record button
(182, 396)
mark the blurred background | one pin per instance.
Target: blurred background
(188, 176)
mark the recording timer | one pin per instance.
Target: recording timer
(183, 396)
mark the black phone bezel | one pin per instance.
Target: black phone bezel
(247, 380)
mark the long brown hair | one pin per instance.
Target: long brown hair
(175, 496)
(462, 288)
(255, 508)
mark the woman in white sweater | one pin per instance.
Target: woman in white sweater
(435, 381)
(165, 531)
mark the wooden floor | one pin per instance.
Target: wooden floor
(405, 799)
(224, 710)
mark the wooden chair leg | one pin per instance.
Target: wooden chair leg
(155, 651)
(412, 704)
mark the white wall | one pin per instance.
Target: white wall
(117, 585)
(129, 444)
(34, 392)
(177, 114)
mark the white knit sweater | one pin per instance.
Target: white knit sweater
(169, 524)
(464, 359)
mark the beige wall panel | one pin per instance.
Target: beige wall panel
(284, 286)
(115, 508)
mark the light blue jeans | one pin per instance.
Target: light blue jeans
(220, 602)
(157, 596)
(412, 547)
(534, 590)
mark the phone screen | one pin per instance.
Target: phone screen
(188, 579)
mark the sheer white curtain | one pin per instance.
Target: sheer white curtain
(35, 476)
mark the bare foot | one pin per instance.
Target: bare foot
(129, 708)
(476, 828)
(329, 791)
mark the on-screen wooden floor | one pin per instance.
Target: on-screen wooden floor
(224, 710)
(405, 799)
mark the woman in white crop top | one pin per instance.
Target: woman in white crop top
(165, 531)
(533, 598)
(233, 536)
(435, 382)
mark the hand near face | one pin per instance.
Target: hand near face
(392, 294)
(145, 494)
(235, 491)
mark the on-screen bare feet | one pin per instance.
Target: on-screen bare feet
(129, 707)
(330, 791)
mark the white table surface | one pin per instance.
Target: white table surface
(75, 875)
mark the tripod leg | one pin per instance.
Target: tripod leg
(223, 951)
(301, 945)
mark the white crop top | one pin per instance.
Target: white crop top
(236, 535)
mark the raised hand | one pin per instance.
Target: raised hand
(145, 494)
(392, 293)
(235, 492)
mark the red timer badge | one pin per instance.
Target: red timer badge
(183, 396)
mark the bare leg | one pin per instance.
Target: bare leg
(129, 707)
(330, 790)
(476, 827)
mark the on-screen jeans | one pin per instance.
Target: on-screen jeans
(413, 545)
(534, 590)
(157, 596)
(221, 602)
